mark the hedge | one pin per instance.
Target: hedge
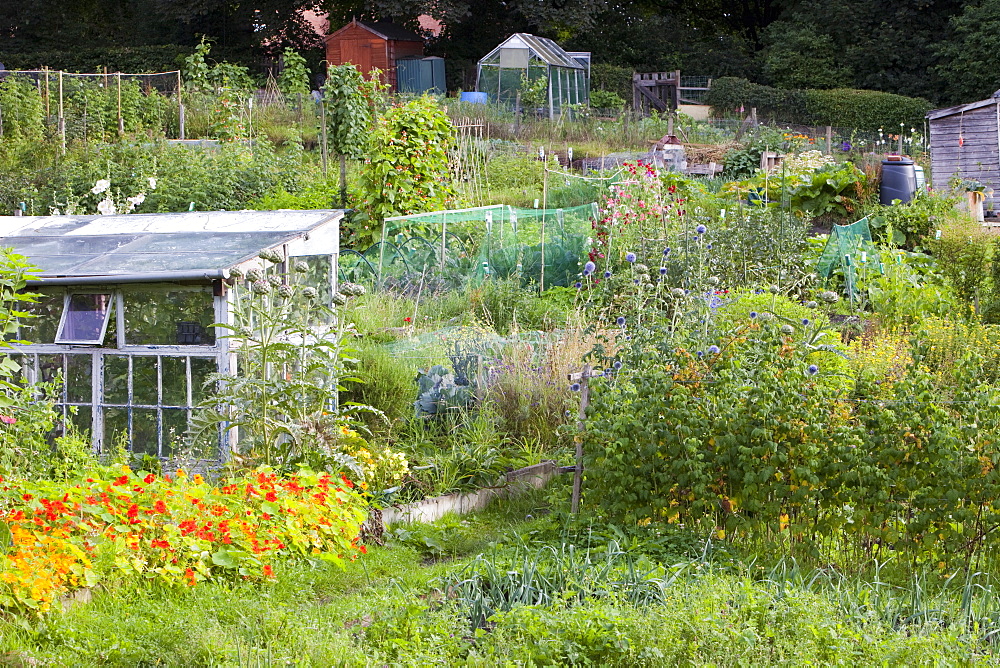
(843, 107)
(611, 78)
(133, 60)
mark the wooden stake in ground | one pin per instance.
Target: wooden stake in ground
(583, 378)
(180, 107)
(62, 117)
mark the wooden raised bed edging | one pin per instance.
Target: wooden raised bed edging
(515, 482)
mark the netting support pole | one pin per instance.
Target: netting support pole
(121, 121)
(444, 239)
(584, 380)
(381, 255)
(180, 107)
(62, 118)
(545, 194)
(323, 140)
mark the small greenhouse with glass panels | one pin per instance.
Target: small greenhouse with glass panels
(522, 55)
(127, 306)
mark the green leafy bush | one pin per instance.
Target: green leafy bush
(829, 190)
(294, 77)
(610, 78)
(21, 109)
(843, 107)
(964, 253)
(908, 224)
(406, 170)
(746, 437)
(605, 99)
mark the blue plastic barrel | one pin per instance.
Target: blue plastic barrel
(474, 97)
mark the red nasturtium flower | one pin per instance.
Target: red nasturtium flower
(268, 571)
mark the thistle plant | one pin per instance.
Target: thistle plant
(291, 363)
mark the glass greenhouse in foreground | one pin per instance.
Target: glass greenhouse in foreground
(128, 304)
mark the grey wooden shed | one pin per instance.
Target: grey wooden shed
(965, 143)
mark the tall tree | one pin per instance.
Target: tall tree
(967, 58)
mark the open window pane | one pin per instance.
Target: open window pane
(85, 318)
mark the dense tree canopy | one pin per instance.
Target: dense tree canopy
(938, 49)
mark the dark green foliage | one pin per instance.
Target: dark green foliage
(729, 95)
(129, 59)
(227, 178)
(965, 56)
(610, 78)
(841, 107)
(864, 109)
(802, 56)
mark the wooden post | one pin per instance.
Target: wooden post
(62, 118)
(444, 238)
(545, 201)
(583, 378)
(829, 140)
(517, 114)
(180, 107)
(121, 121)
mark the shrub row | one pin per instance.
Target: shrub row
(866, 110)
(131, 59)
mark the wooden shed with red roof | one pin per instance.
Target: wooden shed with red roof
(371, 46)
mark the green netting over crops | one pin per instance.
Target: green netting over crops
(543, 247)
(849, 247)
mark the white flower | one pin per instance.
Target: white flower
(54, 211)
(101, 186)
(152, 183)
(135, 201)
(106, 207)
